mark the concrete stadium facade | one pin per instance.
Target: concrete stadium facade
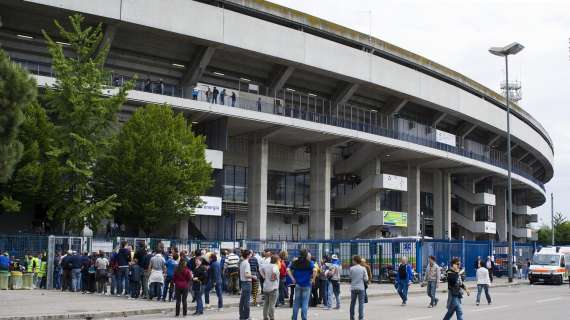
(331, 134)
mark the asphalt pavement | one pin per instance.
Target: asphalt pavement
(523, 302)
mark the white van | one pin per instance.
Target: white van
(549, 265)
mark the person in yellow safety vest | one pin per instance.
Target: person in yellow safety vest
(42, 272)
(30, 263)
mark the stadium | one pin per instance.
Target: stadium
(317, 131)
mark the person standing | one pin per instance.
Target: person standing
(334, 271)
(404, 278)
(181, 279)
(76, 271)
(171, 265)
(483, 282)
(245, 277)
(455, 288)
(123, 259)
(366, 266)
(67, 265)
(254, 267)
(57, 271)
(214, 281)
(259, 104)
(199, 279)
(282, 279)
(102, 264)
(231, 270)
(233, 96)
(135, 277)
(222, 96)
(324, 283)
(490, 265)
(209, 95)
(358, 277)
(431, 278)
(157, 267)
(302, 272)
(215, 93)
(270, 274)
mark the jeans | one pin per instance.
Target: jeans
(302, 296)
(168, 288)
(218, 288)
(481, 287)
(453, 306)
(403, 290)
(154, 290)
(431, 287)
(198, 291)
(101, 281)
(57, 275)
(269, 304)
(144, 283)
(336, 291)
(181, 296)
(135, 289)
(66, 282)
(282, 292)
(114, 283)
(123, 280)
(76, 279)
(244, 300)
(354, 295)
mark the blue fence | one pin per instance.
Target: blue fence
(381, 254)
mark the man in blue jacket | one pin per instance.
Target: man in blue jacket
(404, 277)
(214, 281)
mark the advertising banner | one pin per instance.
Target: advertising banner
(212, 206)
(445, 137)
(396, 219)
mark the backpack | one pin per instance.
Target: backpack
(403, 271)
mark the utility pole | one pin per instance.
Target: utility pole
(552, 215)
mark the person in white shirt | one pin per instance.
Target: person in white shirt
(483, 282)
(270, 273)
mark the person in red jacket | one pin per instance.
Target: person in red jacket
(181, 279)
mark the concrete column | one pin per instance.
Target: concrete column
(258, 158)
(413, 201)
(182, 229)
(321, 168)
(441, 205)
(500, 212)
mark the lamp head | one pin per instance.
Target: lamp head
(508, 50)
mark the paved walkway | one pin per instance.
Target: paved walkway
(44, 304)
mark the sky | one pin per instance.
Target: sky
(458, 34)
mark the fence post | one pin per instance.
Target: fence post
(463, 252)
(419, 258)
(50, 266)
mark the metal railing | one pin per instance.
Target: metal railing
(309, 107)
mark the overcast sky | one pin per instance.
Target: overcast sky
(458, 34)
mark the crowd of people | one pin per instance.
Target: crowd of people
(302, 282)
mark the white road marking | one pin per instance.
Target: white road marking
(549, 300)
(490, 308)
(421, 318)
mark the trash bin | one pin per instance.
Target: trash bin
(4, 280)
(28, 281)
(16, 280)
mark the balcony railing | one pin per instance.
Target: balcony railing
(309, 107)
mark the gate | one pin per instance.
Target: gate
(62, 244)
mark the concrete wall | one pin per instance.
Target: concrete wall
(234, 29)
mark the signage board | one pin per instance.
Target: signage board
(395, 218)
(211, 206)
(390, 181)
(105, 246)
(445, 138)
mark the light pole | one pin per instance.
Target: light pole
(505, 52)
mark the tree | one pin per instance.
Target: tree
(561, 231)
(17, 91)
(157, 167)
(84, 122)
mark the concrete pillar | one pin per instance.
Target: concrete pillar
(321, 168)
(441, 205)
(258, 158)
(413, 201)
(182, 229)
(500, 212)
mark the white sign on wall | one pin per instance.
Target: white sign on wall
(212, 206)
(215, 158)
(105, 246)
(490, 227)
(445, 137)
(392, 182)
(253, 87)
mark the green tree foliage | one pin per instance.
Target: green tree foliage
(157, 168)
(17, 91)
(84, 120)
(561, 231)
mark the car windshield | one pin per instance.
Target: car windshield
(546, 259)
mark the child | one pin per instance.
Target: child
(200, 278)
(135, 277)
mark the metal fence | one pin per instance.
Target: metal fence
(381, 254)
